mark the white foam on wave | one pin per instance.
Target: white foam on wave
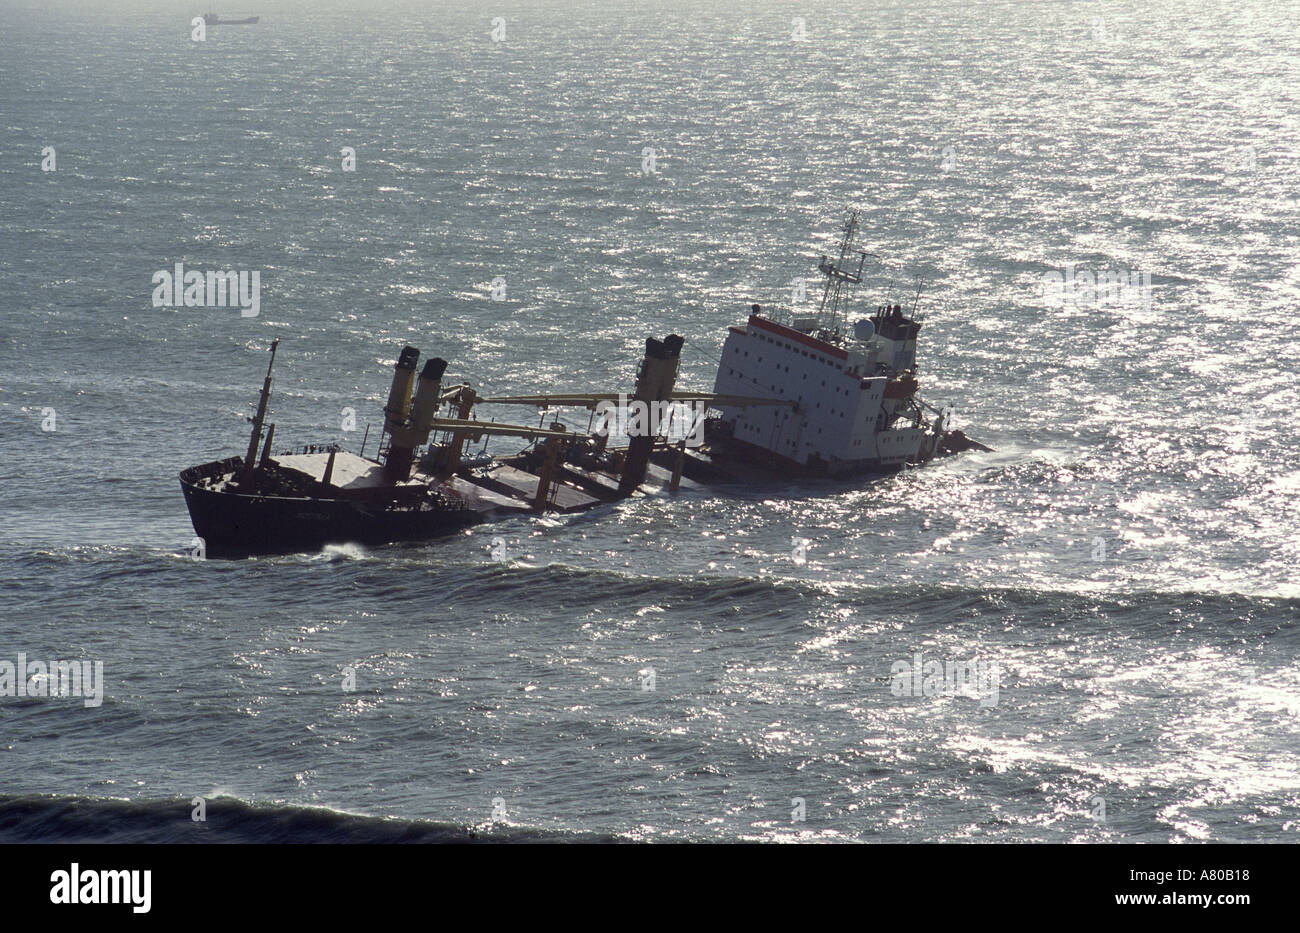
(339, 552)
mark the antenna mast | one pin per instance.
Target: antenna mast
(837, 277)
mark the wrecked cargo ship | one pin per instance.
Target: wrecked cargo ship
(805, 396)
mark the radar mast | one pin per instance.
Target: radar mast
(839, 280)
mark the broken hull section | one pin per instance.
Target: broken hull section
(738, 463)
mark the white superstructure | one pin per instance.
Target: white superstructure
(855, 392)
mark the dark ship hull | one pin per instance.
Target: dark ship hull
(234, 523)
(217, 21)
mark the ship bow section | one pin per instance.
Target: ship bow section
(231, 521)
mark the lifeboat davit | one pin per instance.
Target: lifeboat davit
(904, 386)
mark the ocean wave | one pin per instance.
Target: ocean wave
(76, 819)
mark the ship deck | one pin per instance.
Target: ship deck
(513, 482)
(351, 472)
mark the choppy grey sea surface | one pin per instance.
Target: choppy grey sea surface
(1127, 557)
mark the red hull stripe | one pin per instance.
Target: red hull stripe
(820, 346)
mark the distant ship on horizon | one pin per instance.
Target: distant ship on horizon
(212, 19)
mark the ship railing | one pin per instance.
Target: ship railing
(209, 473)
(310, 449)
